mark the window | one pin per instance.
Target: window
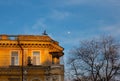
(36, 58)
(14, 58)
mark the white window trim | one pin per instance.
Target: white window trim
(39, 56)
(11, 56)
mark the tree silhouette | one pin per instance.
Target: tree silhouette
(95, 60)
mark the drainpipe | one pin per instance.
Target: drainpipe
(22, 58)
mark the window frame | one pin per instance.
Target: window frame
(39, 57)
(18, 53)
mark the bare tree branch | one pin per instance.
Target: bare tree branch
(99, 59)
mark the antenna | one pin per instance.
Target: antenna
(44, 33)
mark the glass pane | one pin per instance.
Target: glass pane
(12, 61)
(36, 58)
(14, 53)
(14, 58)
(36, 53)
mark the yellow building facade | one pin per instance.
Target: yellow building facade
(30, 58)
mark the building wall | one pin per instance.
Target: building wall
(49, 68)
(5, 55)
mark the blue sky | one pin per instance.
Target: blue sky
(67, 21)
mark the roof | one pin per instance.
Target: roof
(29, 38)
(26, 37)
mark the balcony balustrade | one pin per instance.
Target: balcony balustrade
(31, 70)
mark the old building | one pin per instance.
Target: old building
(30, 58)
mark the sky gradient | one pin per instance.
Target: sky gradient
(67, 21)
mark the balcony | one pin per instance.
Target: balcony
(57, 66)
(31, 70)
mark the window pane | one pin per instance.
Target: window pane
(14, 53)
(36, 58)
(36, 53)
(14, 58)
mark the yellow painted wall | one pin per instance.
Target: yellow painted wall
(5, 56)
(6, 46)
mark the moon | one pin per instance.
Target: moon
(68, 32)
